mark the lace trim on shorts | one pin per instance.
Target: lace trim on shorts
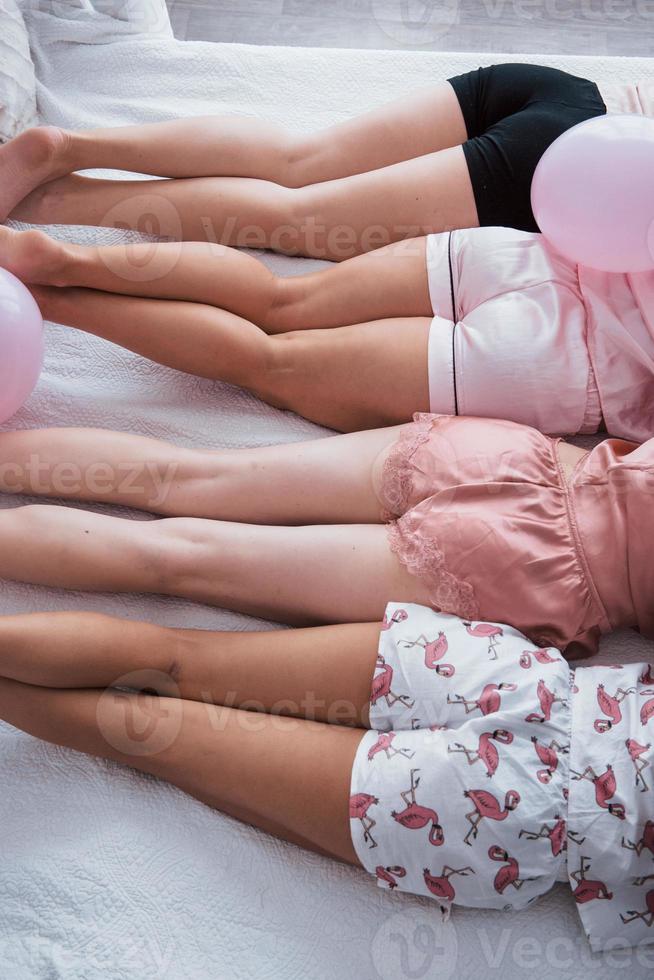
(396, 484)
(421, 556)
(424, 559)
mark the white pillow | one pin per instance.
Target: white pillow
(17, 81)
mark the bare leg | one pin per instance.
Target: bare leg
(289, 777)
(369, 374)
(296, 575)
(389, 282)
(335, 220)
(323, 674)
(241, 146)
(421, 122)
(348, 378)
(312, 482)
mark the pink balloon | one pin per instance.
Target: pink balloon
(593, 193)
(21, 344)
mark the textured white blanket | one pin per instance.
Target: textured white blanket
(103, 872)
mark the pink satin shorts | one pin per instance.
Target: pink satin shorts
(480, 510)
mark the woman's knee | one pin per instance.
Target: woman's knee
(285, 301)
(301, 222)
(286, 369)
(177, 548)
(289, 220)
(137, 728)
(304, 158)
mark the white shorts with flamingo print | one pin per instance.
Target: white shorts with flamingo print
(459, 791)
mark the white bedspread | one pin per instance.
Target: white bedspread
(108, 874)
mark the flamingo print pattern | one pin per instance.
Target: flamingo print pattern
(382, 687)
(480, 765)
(546, 700)
(610, 705)
(588, 889)
(414, 816)
(549, 756)
(447, 723)
(509, 875)
(611, 805)
(434, 651)
(540, 656)
(441, 885)
(647, 710)
(485, 751)
(384, 744)
(487, 631)
(388, 876)
(486, 806)
(557, 835)
(398, 616)
(646, 841)
(638, 753)
(605, 785)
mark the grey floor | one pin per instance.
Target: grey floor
(549, 26)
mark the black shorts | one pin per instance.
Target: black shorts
(512, 114)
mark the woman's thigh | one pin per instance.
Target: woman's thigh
(288, 776)
(419, 122)
(322, 674)
(353, 378)
(319, 481)
(342, 218)
(389, 282)
(336, 219)
(303, 576)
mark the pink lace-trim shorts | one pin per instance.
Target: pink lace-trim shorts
(480, 511)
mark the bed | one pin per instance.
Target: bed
(108, 873)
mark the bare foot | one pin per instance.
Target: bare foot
(29, 160)
(32, 256)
